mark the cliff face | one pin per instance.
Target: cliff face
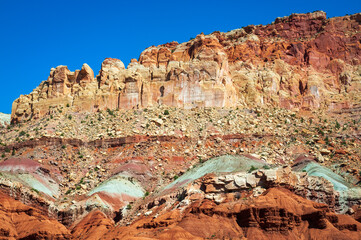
(304, 61)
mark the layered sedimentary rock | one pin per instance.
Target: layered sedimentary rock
(161, 172)
(276, 214)
(302, 61)
(18, 221)
(221, 198)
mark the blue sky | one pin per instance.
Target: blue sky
(38, 35)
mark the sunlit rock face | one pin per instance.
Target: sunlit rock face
(303, 61)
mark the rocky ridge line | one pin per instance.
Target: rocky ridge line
(304, 61)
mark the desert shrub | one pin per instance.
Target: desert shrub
(252, 169)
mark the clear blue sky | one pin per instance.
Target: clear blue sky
(38, 35)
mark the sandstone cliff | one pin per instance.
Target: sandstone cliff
(303, 61)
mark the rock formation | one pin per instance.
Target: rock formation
(249, 134)
(18, 221)
(304, 61)
(257, 205)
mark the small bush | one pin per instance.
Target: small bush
(70, 117)
(67, 105)
(129, 207)
(166, 112)
(110, 112)
(22, 133)
(175, 177)
(63, 147)
(252, 169)
(35, 190)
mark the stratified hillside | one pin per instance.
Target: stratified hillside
(249, 134)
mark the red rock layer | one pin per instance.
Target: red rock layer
(277, 214)
(18, 221)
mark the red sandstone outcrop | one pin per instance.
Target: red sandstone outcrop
(18, 221)
(276, 214)
(93, 226)
(302, 61)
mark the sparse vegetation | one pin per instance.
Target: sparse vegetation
(35, 190)
(110, 112)
(22, 133)
(253, 168)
